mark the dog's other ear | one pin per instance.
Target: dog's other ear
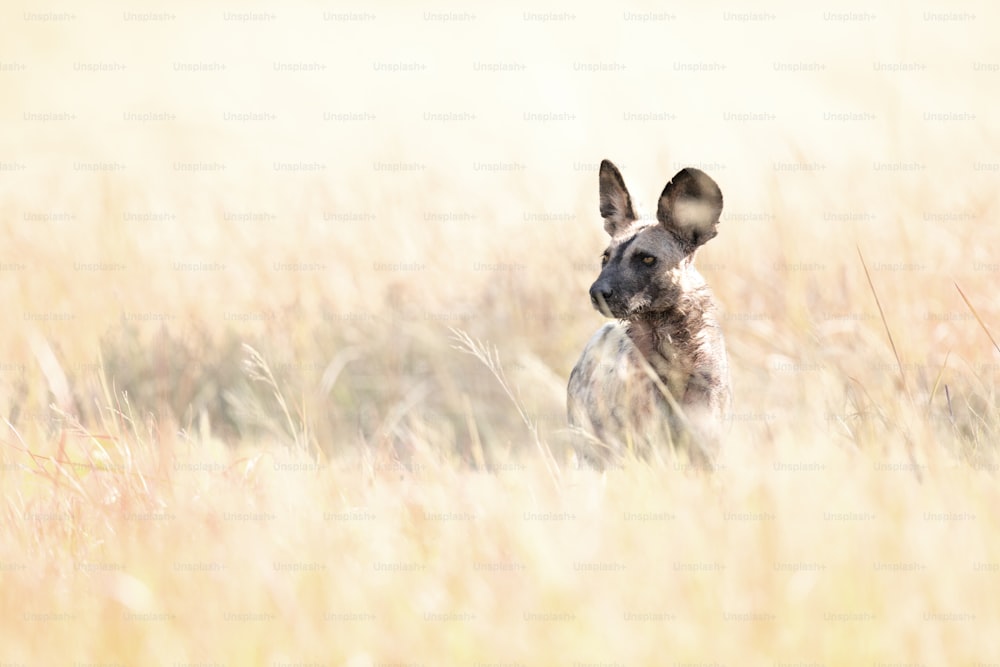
(616, 204)
(690, 206)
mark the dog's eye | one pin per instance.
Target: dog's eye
(604, 259)
(649, 260)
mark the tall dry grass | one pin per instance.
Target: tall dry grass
(239, 426)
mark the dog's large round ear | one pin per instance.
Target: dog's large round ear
(690, 206)
(616, 203)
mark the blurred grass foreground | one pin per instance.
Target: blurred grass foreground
(243, 246)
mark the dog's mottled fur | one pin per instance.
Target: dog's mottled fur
(660, 374)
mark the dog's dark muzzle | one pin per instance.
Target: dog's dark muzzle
(603, 298)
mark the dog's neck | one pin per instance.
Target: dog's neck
(665, 338)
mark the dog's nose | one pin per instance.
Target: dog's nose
(600, 292)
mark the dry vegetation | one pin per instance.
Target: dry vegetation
(240, 428)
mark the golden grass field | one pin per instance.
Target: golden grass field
(241, 246)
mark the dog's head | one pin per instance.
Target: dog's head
(649, 266)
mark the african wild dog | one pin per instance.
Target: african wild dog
(659, 374)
